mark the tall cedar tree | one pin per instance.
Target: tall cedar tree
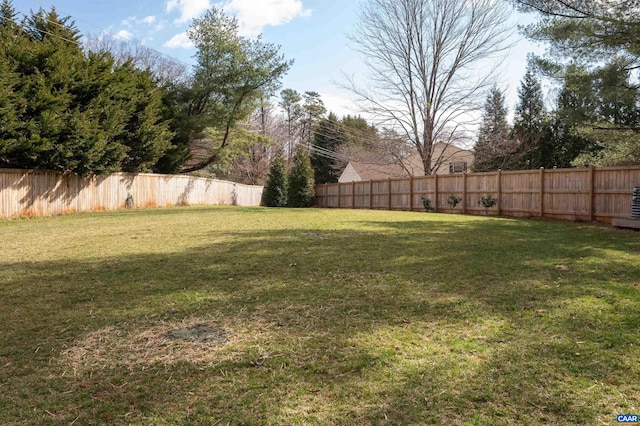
(11, 101)
(358, 132)
(328, 137)
(494, 148)
(69, 111)
(301, 180)
(275, 191)
(530, 127)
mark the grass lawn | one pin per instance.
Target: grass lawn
(251, 316)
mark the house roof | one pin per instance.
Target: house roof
(368, 171)
(409, 166)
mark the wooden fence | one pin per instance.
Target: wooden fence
(591, 194)
(43, 193)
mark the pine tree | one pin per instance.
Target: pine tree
(301, 181)
(529, 124)
(328, 136)
(275, 191)
(577, 104)
(313, 110)
(617, 104)
(290, 103)
(495, 149)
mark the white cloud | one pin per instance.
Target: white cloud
(254, 15)
(127, 35)
(188, 9)
(179, 41)
(134, 21)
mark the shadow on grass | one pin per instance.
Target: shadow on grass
(410, 322)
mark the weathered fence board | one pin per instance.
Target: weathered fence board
(600, 194)
(43, 193)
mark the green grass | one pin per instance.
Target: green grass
(330, 317)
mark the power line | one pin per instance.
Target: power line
(105, 31)
(354, 131)
(25, 28)
(319, 151)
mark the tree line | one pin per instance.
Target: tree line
(595, 117)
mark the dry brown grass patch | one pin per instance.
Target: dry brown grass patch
(159, 344)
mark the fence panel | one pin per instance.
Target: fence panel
(361, 195)
(612, 192)
(480, 185)
(43, 193)
(423, 186)
(566, 194)
(520, 193)
(451, 185)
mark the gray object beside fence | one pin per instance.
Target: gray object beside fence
(635, 203)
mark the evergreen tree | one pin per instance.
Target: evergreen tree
(10, 101)
(617, 104)
(67, 123)
(8, 18)
(530, 127)
(358, 132)
(328, 136)
(577, 104)
(495, 149)
(232, 74)
(275, 191)
(312, 111)
(290, 103)
(62, 109)
(146, 135)
(609, 135)
(301, 181)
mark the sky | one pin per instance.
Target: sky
(311, 32)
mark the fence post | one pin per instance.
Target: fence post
(435, 192)
(464, 192)
(339, 193)
(591, 192)
(499, 206)
(353, 195)
(410, 193)
(370, 195)
(389, 200)
(541, 191)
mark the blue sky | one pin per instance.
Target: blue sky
(312, 32)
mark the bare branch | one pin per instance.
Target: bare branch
(423, 60)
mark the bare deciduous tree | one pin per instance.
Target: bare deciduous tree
(164, 68)
(385, 147)
(267, 135)
(429, 65)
